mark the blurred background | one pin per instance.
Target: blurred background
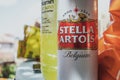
(14, 14)
(19, 29)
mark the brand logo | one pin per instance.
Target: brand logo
(77, 30)
(78, 33)
(81, 35)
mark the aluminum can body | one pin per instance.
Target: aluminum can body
(77, 39)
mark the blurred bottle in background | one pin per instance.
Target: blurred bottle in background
(49, 39)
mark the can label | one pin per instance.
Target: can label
(49, 16)
(77, 40)
(77, 35)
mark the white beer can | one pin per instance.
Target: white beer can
(77, 39)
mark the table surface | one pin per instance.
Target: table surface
(25, 71)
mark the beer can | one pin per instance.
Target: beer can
(77, 39)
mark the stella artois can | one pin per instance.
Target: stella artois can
(77, 39)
